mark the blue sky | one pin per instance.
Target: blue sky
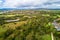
(29, 4)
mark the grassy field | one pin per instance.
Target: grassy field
(32, 25)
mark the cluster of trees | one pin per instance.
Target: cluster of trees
(38, 28)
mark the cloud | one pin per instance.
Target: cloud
(52, 4)
(19, 3)
(0, 2)
(26, 4)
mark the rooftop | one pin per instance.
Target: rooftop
(56, 23)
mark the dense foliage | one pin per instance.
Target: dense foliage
(33, 25)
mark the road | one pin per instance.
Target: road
(52, 37)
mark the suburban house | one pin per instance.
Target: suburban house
(56, 24)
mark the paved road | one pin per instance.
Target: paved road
(52, 36)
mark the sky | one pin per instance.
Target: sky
(29, 4)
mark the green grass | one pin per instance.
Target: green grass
(46, 37)
(32, 26)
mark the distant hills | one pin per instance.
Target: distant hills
(6, 9)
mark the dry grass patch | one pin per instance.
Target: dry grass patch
(16, 24)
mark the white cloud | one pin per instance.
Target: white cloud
(0, 2)
(15, 3)
(28, 3)
(52, 6)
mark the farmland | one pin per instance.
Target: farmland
(32, 25)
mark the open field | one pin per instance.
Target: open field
(29, 25)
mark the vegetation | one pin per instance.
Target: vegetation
(32, 25)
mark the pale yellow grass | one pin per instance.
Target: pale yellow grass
(16, 24)
(9, 15)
